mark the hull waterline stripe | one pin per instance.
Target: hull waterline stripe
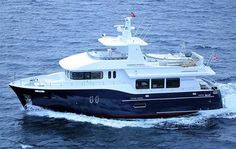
(167, 98)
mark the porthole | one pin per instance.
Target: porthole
(109, 74)
(114, 74)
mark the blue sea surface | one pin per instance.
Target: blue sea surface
(36, 34)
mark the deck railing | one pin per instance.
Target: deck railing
(39, 83)
(107, 54)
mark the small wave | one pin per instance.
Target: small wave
(226, 79)
(25, 146)
(198, 120)
(202, 47)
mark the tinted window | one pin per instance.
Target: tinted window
(109, 74)
(158, 83)
(114, 74)
(85, 75)
(172, 83)
(96, 75)
(142, 84)
(77, 75)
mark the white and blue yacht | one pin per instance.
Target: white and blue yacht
(120, 81)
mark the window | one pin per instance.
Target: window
(172, 82)
(85, 75)
(77, 75)
(114, 74)
(142, 84)
(158, 83)
(96, 75)
(109, 74)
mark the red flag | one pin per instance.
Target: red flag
(215, 57)
(132, 14)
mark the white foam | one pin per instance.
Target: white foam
(228, 94)
(24, 146)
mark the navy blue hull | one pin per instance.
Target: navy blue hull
(115, 104)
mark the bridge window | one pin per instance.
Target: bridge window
(172, 82)
(96, 75)
(77, 75)
(85, 75)
(158, 83)
(142, 84)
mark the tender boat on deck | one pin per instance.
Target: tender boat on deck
(120, 81)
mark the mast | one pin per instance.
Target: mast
(126, 40)
(125, 29)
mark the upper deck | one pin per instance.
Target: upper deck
(124, 52)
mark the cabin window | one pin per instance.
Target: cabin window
(142, 84)
(172, 82)
(158, 83)
(109, 74)
(85, 75)
(114, 74)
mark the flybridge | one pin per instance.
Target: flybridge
(126, 50)
(125, 38)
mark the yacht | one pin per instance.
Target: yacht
(121, 81)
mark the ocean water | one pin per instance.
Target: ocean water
(36, 34)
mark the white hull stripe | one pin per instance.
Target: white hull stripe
(194, 97)
(39, 91)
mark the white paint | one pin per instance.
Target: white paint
(39, 91)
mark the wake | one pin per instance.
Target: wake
(199, 120)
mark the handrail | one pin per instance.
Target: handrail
(60, 84)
